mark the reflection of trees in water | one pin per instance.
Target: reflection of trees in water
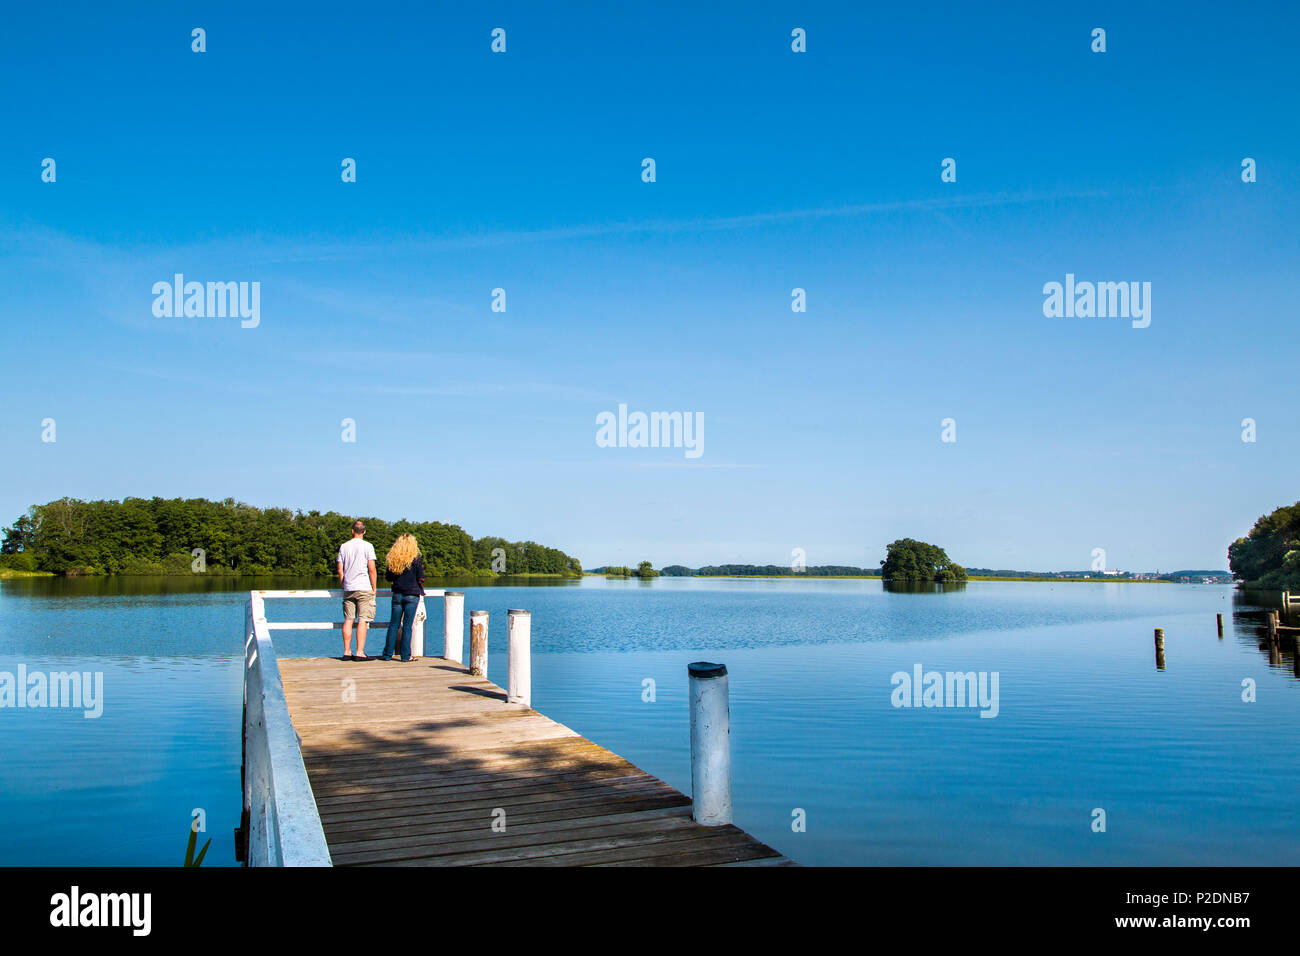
(923, 587)
(1250, 626)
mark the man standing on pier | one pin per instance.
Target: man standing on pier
(357, 575)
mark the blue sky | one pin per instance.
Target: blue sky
(775, 170)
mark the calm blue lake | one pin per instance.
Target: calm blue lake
(1186, 771)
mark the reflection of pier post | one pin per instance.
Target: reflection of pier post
(1160, 648)
(1274, 654)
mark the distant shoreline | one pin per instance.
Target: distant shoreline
(877, 577)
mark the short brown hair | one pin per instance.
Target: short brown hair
(358, 527)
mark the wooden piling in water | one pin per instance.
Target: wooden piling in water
(1219, 619)
(1160, 648)
(478, 633)
(1272, 627)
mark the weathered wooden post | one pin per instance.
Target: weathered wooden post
(453, 625)
(519, 680)
(1160, 648)
(478, 627)
(1219, 620)
(1272, 627)
(710, 744)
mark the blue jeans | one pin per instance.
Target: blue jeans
(402, 618)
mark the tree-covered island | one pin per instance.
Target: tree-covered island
(910, 560)
(187, 535)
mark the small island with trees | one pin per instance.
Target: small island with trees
(645, 569)
(912, 561)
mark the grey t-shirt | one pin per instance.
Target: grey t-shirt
(355, 555)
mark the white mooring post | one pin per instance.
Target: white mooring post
(417, 631)
(519, 683)
(710, 744)
(478, 625)
(453, 625)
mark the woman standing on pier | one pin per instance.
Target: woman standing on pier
(406, 576)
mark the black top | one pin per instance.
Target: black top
(706, 670)
(410, 581)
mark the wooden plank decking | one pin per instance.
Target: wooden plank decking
(411, 771)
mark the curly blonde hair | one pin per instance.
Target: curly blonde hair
(403, 552)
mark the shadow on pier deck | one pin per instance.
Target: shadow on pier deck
(413, 764)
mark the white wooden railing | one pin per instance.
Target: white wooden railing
(417, 632)
(281, 825)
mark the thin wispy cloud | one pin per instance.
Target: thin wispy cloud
(685, 464)
(256, 248)
(488, 389)
(416, 244)
(188, 378)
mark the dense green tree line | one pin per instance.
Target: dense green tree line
(1269, 557)
(159, 536)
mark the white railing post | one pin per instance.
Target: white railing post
(519, 680)
(710, 744)
(453, 625)
(478, 638)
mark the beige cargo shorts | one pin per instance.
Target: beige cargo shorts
(359, 605)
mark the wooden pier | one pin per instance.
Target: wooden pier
(423, 764)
